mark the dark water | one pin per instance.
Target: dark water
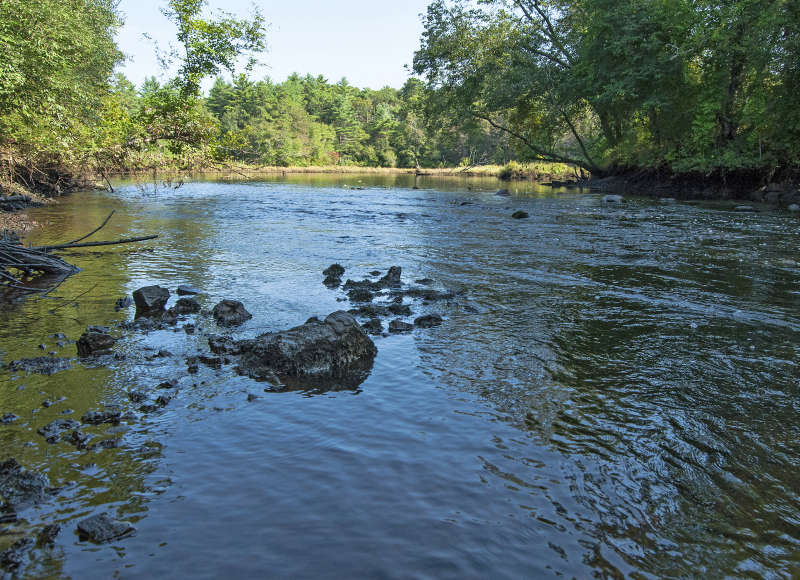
(615, 394)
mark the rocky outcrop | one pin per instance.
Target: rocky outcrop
(334, 349)
(230, 313)
(150, 301)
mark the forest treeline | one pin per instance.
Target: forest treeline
(674, 85)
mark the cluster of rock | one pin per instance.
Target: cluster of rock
(389, 287)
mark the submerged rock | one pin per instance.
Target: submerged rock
(95, 341)
(186, 290)
(103, 528)
(150, 301)
(187, 306)
(42, 365)
(390, 280)
(334, 349)
(336, 270)
(8, 418)
(230, 313)
(13, 558)
(100, 417)
(20, 487)
(360, 295)
(122, 303)
(611, 198)
(52, 431)
(428, 321)
(397, 326)
(226, 345)
(373, 326)
(519, 215)
(503, 193)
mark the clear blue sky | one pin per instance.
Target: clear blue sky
(366, 41)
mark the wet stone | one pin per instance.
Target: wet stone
(20, 487)
(95, 342)
(373, 326)
(48, 535)
(428, 321)
(187, 290)
(13, 558)
(52, 431)
(334, 270)
(150, 301)
(77, 438)
(137, 396)
(163, 400)
(102, 528)
(8, 418)
(397, 326)
(230, 313)
(335, 348)
(122, 303)
(519, 215)
(400, 309)
(100, 417)
(187, 306)
(43, 365)
(360, 295)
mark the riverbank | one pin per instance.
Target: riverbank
(752, 186)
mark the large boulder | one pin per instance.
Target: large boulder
(336, 348)
(150, 301)
(230, 313)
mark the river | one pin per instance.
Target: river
(614, 391)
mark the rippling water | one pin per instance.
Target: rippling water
(615, 392)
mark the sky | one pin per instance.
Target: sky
(366, 41)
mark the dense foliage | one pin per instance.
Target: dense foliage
(676, 84)
(686, 85)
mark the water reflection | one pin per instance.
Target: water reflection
(614, 393)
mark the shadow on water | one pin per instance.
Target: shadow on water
(614, 391)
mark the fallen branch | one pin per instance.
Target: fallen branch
(94, 231)
(93, 244)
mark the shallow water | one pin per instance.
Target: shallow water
(615, 392)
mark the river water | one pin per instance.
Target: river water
(614, 392)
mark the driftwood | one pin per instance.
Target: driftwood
(34, 269)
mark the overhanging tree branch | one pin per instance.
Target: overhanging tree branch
(540, 153)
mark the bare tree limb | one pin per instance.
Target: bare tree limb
(94, 231)
(592, 164)
(93, 244)
(541, 153)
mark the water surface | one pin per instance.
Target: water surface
(615, 391)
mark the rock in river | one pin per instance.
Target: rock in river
(230, 313)
(396, 326)
(52, 431)
(519, 215)
(333, 349)
(186, 290)
(187, 306)
(42, 365)
(428, 321)
(95, 341)
(103, 528)
(150, 301)
(20, 487)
